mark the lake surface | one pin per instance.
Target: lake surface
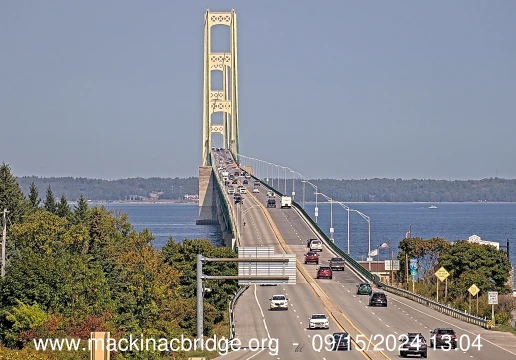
(389, 221)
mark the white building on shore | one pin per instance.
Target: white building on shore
(476, 239)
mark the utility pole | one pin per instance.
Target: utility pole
(4, 239)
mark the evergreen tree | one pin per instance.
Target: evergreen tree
(34, 196)
(11, 195)
(62, 208)
(81, 210)
(50, 201)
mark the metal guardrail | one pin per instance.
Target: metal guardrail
(231, 310)
(445, 309)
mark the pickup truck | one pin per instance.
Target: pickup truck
(312, 257)
(337, 263)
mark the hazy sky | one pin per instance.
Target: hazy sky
(351, 89)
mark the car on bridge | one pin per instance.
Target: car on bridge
(324, 272)
(337, 263)
(271, 203)
(413, 344)
(340, 341)
(235, 181)
(443, 337)
(256, 183)
(270, 193)
(312, 257)
(315, 245)
(245, 182)
(255, 190)
(278, 302)
(364, 289)
(238, 199)
(378, 298)
(318, 321)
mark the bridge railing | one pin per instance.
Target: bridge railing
(366, 274)
(224, 203)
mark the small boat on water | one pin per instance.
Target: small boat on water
(432, 207)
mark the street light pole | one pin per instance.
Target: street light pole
(303, 195)
(316, 192)
(331, 220)
(284, 168)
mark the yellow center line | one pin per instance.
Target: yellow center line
(313, 284)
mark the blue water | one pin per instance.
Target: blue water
(165, 220)
(389, 221)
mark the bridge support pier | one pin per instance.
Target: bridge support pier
(207, 201)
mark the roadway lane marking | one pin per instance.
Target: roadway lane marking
(458, 327)
(261, 311)
(252, 356)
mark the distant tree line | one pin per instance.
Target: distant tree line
(398, 190)
(364, 190)
(123, 189)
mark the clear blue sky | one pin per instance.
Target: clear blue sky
(354, 89)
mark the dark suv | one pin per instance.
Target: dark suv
(378, 298)
(413, 344)
(443, 337)
(324, 272)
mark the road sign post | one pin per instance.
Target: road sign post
(473, 290)
(413, 272)
(492, 299)
(442, 274)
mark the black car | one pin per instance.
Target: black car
(245, 182)
(443, 337)
(378, 298)
(413, 344)
(340, 341)
(238, 199)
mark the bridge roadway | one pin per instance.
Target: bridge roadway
(253, 320)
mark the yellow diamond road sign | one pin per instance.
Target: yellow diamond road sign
(442, 274)
(473, 290)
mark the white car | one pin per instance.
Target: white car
(279, 302)
(255, 190)
(319, 321)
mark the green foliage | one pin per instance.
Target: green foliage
(81, 211)
(50, 201)
(11, 195)
(183, 257)
(23, 318)
(34, 196)
(62, 208)
(470, 263)
(427, 252)
(69, 274)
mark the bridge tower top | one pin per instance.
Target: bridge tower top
(226, 99)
